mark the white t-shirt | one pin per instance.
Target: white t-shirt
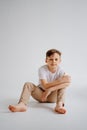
(44, 73)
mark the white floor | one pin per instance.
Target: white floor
(41, 116)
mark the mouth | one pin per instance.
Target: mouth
(53, 64)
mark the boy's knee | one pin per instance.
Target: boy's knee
(28, 85)
(66, 78)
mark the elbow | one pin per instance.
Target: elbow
(68, 79)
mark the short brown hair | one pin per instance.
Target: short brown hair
(52, 51)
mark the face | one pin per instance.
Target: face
(53, 61)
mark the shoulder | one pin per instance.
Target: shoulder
(42, 72)
(61, 71)
(44, 68)
(60, 68)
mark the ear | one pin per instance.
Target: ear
(46, 60)
(60, 60)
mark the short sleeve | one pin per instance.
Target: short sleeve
(42, 73)
(61, 72)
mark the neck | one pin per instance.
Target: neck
(53, 70)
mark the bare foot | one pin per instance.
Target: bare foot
(21, 107)
(60, 109)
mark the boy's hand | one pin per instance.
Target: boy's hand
(45, 95)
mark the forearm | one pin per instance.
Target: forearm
(49, 90)
(60, 86)
(61, 80)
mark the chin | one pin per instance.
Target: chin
(54, 66)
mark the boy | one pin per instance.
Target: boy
(52, 84)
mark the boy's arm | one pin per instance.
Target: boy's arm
(61, 80)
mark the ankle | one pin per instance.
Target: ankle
(59, 104)
(21, 103)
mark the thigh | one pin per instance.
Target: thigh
(37, 93)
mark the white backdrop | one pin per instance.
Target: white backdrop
(28, 28)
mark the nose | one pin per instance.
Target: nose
(53, 60)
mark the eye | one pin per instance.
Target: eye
(56, 59)
(51, 59)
